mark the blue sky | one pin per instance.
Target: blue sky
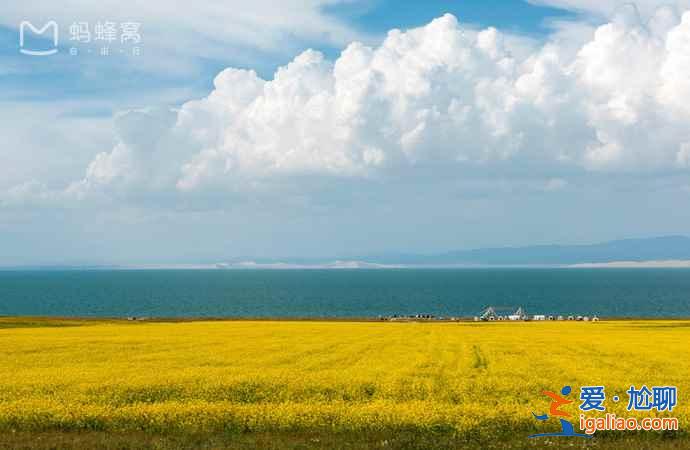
(66, 77)
(510, 15)
(478, 124)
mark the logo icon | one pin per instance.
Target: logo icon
(557, 401)
(52, 25)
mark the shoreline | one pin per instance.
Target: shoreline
(165, 319)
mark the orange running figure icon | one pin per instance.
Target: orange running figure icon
(567, 428)
(557, 402)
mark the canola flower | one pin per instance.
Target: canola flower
(215, 376)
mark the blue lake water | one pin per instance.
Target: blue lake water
(344, 293)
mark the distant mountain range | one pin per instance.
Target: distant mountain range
(666, 251)
(666, 248)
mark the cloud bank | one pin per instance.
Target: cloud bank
(441, 98)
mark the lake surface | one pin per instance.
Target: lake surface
(344, 293)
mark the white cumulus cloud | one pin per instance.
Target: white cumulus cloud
(439, 96)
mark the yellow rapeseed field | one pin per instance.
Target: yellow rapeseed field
(474, 378)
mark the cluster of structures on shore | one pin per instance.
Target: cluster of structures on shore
(492, 313)
(495, 313)
(403, 317)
